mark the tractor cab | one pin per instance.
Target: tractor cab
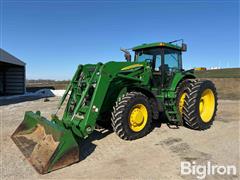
(164, 58)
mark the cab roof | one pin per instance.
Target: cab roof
(157, 44)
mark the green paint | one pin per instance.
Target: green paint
(94, 90)
(157, 44)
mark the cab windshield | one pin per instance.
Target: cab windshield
(147, 54)
(171, 57)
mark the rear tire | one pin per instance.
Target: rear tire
(200, 105)
(132, 116)
(181, 92)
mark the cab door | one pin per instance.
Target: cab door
(157, 73)
(171, 64)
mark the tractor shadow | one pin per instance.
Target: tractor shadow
(162, 119)
(87, 147)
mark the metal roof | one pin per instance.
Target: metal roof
(157, 44)
(8, 58)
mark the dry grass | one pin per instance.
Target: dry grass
(227, 88)
(219, 73)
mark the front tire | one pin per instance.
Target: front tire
(132, 116)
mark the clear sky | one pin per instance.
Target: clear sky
(53, 37)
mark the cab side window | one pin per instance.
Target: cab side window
(144, 57)
(158, 63)
(171, 58)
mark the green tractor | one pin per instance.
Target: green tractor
(129, 95)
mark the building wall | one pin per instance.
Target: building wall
(12, 79)
(1, 82)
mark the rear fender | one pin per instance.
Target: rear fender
(179, 77)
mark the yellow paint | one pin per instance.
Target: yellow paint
(181, 102)
(200, 69)
(207, 105)
(138, 117)
(131, 67)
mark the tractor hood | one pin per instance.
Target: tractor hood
(132, 67)
(111, 68)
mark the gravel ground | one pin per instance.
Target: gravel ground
(156, 156)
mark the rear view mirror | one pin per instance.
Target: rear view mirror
(127, 57)
(127, 54)
(184, 47)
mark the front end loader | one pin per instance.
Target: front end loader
(128, 95)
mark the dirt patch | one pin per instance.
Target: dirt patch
(105, 156)
(171, 141)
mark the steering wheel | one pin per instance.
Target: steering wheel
(148, 60)
(173, 69)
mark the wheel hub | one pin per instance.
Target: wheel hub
(181, 102)
(138, 117)
(207, 105)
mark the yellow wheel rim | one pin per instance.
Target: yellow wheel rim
(138, 117)
(181, 102)
(207, 105)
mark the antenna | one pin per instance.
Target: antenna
(176, 41)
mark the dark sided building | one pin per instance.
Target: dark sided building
(12, 74)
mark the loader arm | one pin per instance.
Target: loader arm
(83, 127)
(82, 118)
(53, 144)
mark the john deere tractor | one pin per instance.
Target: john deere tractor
(129, 94)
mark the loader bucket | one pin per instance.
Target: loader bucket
(48, 146)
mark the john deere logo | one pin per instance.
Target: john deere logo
(131, 67)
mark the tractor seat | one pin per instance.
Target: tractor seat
(157, 73)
